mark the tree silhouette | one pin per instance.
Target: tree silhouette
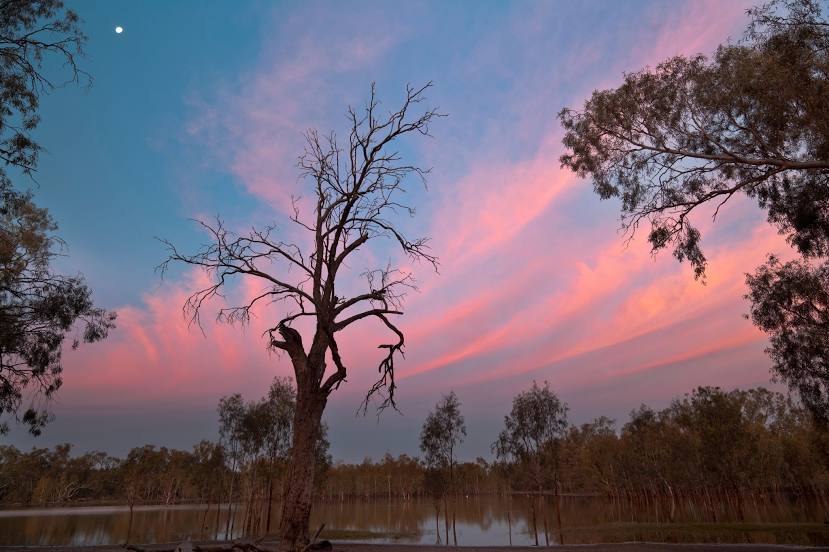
(530, 443)
(443, 430)
(356, 191)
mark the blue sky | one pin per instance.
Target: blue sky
(198, 110)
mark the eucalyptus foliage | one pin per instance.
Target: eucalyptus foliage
(38, 307)
(694, 132)
(443, 430)
(532, 433)
(790, 301)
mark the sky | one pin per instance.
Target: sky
(198, 110)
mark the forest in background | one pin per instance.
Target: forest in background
(708, 443)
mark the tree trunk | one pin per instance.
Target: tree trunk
(296, 505)
(454, 530)
(218, 515)
(206, 511)
(446, 518)
(437, 522)
(270, 499)
(230, 500)
(129, 528)
(558, 516)
(509, 527)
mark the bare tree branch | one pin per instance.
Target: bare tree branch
(358, 187)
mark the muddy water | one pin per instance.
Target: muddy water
(478, 521)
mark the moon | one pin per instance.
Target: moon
(119, 29)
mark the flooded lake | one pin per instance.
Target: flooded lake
(479, 520)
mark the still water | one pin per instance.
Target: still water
(479, 520)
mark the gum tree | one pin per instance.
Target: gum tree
(356, 189)
(38, 306)
(790, 301)
(694, 132)
(530, 441)
(443, 431)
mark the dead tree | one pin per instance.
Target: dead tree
(357, 193)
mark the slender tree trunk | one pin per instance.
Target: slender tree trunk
(543, 500)
(509, 527)
(249, 516)
(437, 522)
(218, 512)
(455, 494)
(230, 500)
(446, 518)
(129, 528)
(558, 512)
(454, 531)
(296, 505)
(535, 523)
(234, 512)
(270, 499)
(218, 515)
(206, 511)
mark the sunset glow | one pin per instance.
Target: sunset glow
(534, 283)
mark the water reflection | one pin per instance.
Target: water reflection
(479, 520)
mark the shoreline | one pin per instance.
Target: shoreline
(351, 546)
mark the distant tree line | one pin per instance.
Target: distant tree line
(710, 446)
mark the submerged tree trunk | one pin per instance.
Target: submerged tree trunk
(437, 522)
(509, 526)
(557, 504)
(230, 501)
(129, 528)
(446, 518)
(558, 516)
(296, 505)
(270, 499)
(206, 511)
(218, 514)
(454, 530)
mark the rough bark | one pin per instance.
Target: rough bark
(296, 505)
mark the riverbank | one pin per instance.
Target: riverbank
(367, 547)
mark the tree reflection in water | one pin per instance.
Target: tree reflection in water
(481, 520)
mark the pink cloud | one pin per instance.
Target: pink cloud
(254, 126)
(156, 355)
(530, 281)
(693, 28)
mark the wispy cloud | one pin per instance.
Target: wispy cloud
(534, 281)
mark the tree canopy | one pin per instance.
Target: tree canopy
(750, 120)
(38, 307)
(531, 434)
(443, 430)
(696, 131)
(790, 301)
